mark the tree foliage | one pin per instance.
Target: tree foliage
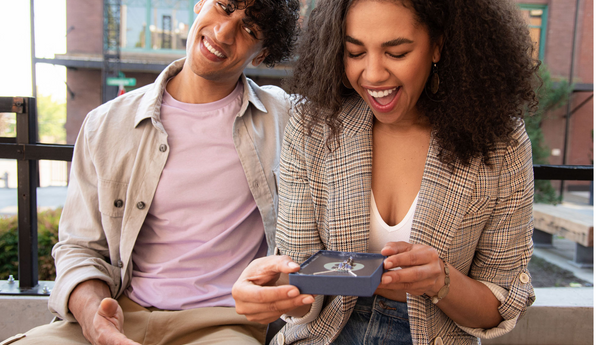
(52, 117)
(552, 94)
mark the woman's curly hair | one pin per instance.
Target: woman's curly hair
(487, 73)
(278, 22)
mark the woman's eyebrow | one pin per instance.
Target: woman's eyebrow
(392, 43)
(396, 42)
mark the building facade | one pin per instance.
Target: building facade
(152, 33)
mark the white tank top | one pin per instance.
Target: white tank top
(381, 233)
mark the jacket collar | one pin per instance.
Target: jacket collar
(356, 116)
(151, 101)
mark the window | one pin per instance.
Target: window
(155, 24)
(536, 17)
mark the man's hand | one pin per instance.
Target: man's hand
(262, 298)
(101, 317)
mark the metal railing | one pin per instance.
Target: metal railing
(25, 149)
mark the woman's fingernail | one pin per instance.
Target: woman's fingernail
(308, 300)
(293, 293)
(292, 264)
(386, 280)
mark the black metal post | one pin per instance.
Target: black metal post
(568, 117)
(27, 171)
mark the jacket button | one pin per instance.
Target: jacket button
(280, 339)
(141, 205)
(524, 278)
(120, 264)
(162, 148)
(118, 203)
(438, 341)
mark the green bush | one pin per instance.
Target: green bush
(552, 94)
(47, 237)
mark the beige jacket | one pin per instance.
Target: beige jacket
(118, 159)
(478, 217)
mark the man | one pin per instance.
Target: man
(173, 191)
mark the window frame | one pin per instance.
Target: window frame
(543, 27)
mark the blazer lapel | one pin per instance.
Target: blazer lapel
(348, 169)
(443, 201)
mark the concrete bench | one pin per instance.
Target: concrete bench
(571, 223)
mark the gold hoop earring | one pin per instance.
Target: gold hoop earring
(434, 83)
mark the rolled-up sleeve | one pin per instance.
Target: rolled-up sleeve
(82, 251)
(505, 246)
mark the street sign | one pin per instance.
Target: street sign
(120, 81)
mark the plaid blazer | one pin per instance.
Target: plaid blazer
(478, 217)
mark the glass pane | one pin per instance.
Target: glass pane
(533, 18)
(535, 34)
(169, 26)
(8, 125)
(51, 104)
(51, 196)
(133, 24)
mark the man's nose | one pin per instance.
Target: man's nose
(225, 31)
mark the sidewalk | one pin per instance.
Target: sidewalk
(47, 198)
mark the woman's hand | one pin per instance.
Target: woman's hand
(260, 295)
(421, 270)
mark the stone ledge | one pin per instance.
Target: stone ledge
(559, 316)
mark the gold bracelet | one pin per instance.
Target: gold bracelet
(446, 288)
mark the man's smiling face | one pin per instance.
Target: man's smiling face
(222, 41)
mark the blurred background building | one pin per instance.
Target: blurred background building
(133, 40)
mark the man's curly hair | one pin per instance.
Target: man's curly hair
(487, 73)
(278, 22)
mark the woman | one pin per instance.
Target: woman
(407, 141)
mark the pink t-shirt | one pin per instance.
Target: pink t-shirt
(203, 227)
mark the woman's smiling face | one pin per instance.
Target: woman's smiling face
(387, 58)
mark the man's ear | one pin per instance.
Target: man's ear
(198, 6)
(258, 59)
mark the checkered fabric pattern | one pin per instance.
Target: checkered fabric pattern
(477, 216)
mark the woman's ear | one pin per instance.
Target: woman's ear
(437, 49)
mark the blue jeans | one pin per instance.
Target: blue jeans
(376, 320)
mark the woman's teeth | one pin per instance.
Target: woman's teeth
(380, 94)
(212, 50)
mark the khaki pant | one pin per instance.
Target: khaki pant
(151, 326)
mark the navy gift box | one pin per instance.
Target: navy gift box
(318, 274)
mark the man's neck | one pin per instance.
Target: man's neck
(187, 87)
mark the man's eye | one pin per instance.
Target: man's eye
(249, 31)
(229, 9)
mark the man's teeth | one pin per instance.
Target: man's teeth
(213, 50)
(379, 94)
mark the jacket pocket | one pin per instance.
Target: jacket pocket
(112, 198)
(478, 212)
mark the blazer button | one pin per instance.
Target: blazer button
(438, 341)
(162, 148)
(524, 278)
(141, 205)
(280, 339)
(118, 203)
(120, 264)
